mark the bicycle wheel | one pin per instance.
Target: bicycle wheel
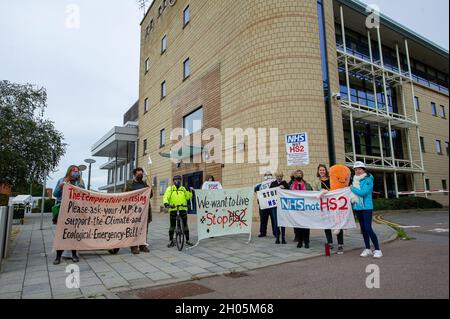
(180, 234)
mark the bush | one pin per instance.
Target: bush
(405, 203)
(48, 204)
(4, 199)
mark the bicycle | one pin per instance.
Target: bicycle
(179, 228)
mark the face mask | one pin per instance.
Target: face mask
(299, 179)
(75, 175)
(177, 183)
(139, 178)
(268, 177)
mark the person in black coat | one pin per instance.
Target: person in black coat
(278, 182)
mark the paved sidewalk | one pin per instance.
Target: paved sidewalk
(29, 271)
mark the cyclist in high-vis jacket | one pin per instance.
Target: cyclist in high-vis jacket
(177, 195)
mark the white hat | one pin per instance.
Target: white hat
(359, 165)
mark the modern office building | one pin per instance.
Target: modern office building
(119, 146)
(363, 91)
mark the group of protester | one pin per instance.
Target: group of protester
(176, 198)
(361, 187)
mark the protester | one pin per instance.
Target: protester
(135, 184)
(322, 183)
(279, 182)
(177, 195)
(73, 176)
(264, 214)
(211, 183)
(300, 184)
(362, 204)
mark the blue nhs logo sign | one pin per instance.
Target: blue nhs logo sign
(296, 138)
(298, 205)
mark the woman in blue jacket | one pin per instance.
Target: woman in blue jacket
(362, 204)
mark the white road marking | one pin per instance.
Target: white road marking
(406, 227)
(439, 230)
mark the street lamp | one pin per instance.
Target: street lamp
(90, 162)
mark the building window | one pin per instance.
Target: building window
(443, 115)
(446, 148)
(121, 173)
(427, 184)
(193, 122)
(433, 109)
(146, 105)
(186, 16)
(438, 147)
(162, 138)
(444, 185)
(145, 147)
(163, 90)
(147, 65)
(417, 103)
(186, 69)
(164, 44)
(422, 144)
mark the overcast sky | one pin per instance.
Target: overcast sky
(91, 73)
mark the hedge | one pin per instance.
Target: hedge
(405, 203)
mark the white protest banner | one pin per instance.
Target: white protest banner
(224, 212)
(297, 149)
(307, 210)
(267, 198)
(91, 221)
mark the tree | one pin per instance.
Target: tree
(30, 146)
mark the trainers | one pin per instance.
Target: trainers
(135, 250)
(331, 246)
(144, 249)
(171, 244)
(75, 259)
(340, 250)
(377, 254)
(366, 253)
(188, 243)
(57, 261)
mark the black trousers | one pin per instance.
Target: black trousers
(340, 236)
(303, 235)
(173, 224)
(60, 252)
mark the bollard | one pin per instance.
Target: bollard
(327, 250)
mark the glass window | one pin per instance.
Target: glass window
(186, 16)
(417, 103)
(162, 138)
(186, 69)
(444, 184)
(433, 109)
(443, 115)
(146, 105)
(422, 143)
(163, 89)
(164, 44)
(438, 147)
(147, 65)
(427, 183)
(145, 147)
(446, 148)
(193, 122)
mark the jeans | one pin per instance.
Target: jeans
(340, 236)
(278, 230)
(264, 215)
(365, 221)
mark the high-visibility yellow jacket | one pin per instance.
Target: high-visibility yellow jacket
(175, 197)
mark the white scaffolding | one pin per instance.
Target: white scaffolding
(375, 71)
